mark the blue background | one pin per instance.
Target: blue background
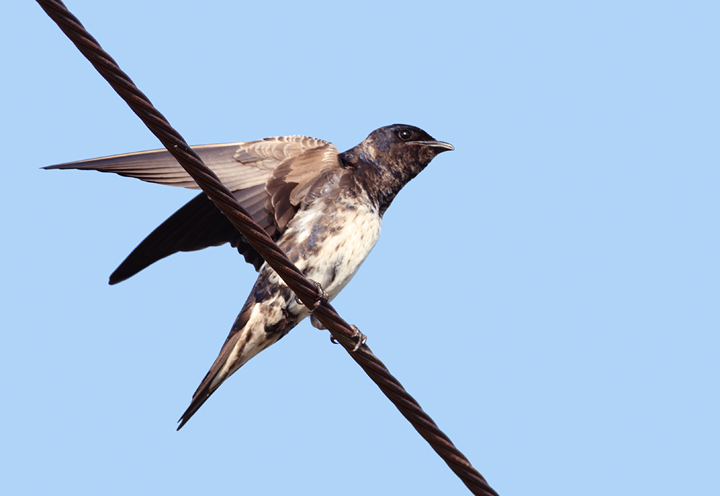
(548, 292)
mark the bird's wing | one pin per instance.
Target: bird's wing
(238, 165)
(244, 168)
(299, 180)
(197, 225)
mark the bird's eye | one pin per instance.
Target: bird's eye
(405, 134)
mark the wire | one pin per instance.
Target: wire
(308, 292)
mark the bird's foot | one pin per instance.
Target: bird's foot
(322, 296)
(359, 338)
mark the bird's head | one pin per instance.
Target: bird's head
(400, 143)
(390, 157)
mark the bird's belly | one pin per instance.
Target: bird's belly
(340, 256)
(330, 245)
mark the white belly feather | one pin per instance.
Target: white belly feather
(345, 235)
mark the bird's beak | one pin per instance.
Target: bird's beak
(443, 147)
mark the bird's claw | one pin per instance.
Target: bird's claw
(359, 338)
(322, 296)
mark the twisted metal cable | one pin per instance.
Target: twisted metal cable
(308, 293)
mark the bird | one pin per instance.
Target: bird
(322, 207)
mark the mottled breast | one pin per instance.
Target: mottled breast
(329, 240)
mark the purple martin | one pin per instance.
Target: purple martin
(322, 207)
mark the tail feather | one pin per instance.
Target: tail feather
(230, 359)
(263, 320)
(227, 363)
(198, 400)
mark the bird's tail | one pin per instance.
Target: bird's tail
(212, 380)
(259, 325)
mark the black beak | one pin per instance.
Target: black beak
(440, 145)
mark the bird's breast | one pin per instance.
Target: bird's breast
(330, 239)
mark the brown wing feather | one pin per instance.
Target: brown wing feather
(263, 175)
(294, 178)
(159, 166)
(238, 165)
(197, 225)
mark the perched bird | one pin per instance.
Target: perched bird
(322, 207)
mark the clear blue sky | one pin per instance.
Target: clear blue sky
(549, 291)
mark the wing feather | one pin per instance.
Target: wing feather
(268, 177)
